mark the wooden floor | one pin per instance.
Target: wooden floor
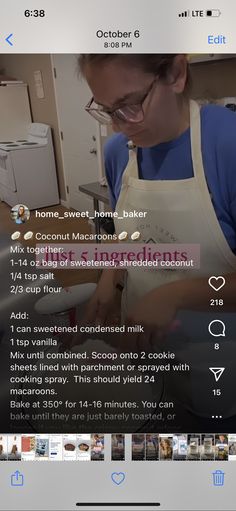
(46, 226)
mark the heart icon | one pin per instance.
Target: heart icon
(216, 282)
(118, 477)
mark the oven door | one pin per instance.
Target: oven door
(7, 177)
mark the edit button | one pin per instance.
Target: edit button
(216, 39)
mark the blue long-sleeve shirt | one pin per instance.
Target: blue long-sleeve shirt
(172, 160)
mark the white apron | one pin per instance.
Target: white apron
(178, 211)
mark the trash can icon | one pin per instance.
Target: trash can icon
(218, 478)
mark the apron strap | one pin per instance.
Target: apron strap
(196, 143)
(196, 151)
(131, 167)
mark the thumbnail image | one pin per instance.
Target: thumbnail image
(42, 447)
(20, 214)
(83, 447)
(3, 447)
(14, 447)
(55, 447)
(180, 446)
(232, 447)
(208, 447)
(69, 447)
(166, 447)
(222, 447)
(194, 447)
(97, 447)
(152, 447)
(28, 445)
(138, 447)
(118, 447)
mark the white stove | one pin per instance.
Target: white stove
(38, 135)
(17, 144)
(27, 169)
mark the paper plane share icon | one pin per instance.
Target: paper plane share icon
(217, 371)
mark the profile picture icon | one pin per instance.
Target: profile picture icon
(20, 214)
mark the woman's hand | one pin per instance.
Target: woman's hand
(102, 304)
(102, 309)
(156, 310)
(155, 313)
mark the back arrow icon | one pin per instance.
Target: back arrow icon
(8, 39)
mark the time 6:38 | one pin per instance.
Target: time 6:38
(36, 13)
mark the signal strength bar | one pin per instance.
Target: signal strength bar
(184, 14)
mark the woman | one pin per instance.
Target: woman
(182, 172)
(22, 215)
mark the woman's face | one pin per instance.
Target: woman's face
(21, 211)
(115, 85)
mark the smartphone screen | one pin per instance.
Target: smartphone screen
(117, 256)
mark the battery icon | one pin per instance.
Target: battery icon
(213, 13)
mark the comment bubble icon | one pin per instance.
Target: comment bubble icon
(217, 328)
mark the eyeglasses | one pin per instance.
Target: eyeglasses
(133, 113)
